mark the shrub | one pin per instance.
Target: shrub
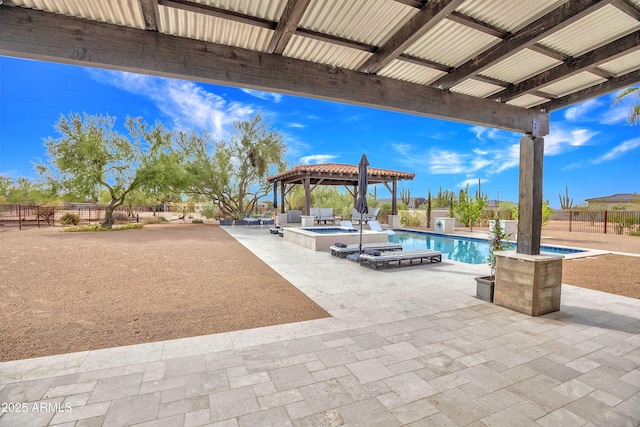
(208, 211)
(120, 216)
(409, 220)
(197, 221)
(70, 219)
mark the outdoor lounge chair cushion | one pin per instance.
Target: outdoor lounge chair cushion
(340, 245)
(372, 252)
(342, 252)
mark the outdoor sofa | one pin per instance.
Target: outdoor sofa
(322, 214)
(371, 216)
(389, 259)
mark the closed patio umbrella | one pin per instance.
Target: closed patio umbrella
(363, 182)
(275, 194)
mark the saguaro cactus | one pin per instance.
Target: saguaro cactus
(565, 201)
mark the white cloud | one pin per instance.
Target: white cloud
(296, 125)
(401, 148)
(187, 104)
(471, 182)
(317, 158)
(266, 96)
(446, 162)
(613, 115)
(561, 140)
(581, 111)
(618, 151)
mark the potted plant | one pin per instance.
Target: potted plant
(497, 242)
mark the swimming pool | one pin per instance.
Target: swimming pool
(469, 250)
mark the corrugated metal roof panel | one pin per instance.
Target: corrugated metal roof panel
(509, 15)
(403, 70)
(476, 88)
(209, 28)
(271, 10)
(521, 66)
(527, 101)
(592, 31)
(120, 12)
(352, 19)
(443, 44)
(325, 53)
(624, 64)
(572, 84)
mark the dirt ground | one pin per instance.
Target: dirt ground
(66, 292)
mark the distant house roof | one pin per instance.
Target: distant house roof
(616, 198)
(338, 174)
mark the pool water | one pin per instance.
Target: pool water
(464, 249)
(330, 230)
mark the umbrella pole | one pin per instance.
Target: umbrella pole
(361, 215)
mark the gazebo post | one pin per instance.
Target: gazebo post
(394, 198)
(355, 195)
(282, 190)
(307, 195)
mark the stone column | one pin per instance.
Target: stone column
(530, 195)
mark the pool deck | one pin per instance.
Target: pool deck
(410, 346)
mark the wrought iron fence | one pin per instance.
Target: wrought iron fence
(20, 216)
(604, 222)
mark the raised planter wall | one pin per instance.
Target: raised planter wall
(529, 284)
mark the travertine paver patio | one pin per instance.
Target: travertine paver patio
(410, 346)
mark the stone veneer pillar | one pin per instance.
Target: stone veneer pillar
(529, 284)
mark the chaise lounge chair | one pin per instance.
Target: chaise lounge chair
(375, 226)
(388, 259)
(341, 250)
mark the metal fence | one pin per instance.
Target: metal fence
(603, 222)
(21, 216)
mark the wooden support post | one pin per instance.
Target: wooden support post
(394, 199)
(282, 188)
(307, 195)
(530, 195)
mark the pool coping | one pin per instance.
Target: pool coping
(585, 252)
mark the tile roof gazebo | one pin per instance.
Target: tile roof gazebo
(311, 176)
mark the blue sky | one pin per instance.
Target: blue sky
(591, 148)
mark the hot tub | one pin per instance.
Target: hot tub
(320, 238)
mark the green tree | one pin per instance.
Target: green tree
(469, 209)
(90, 156)
(633, 94)
(233, 174)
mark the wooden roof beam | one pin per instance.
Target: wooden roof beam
(291, 16)
(603, 88)
(54, 37)
(150, 14)
(560, 18)
(594, 58)
(432, 13)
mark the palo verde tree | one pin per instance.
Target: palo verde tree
(90, 156)
(631, 94)
(233, 174)
(469, 208)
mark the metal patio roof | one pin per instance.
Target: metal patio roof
(497, 63)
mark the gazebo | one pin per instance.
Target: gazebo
(310, 176)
